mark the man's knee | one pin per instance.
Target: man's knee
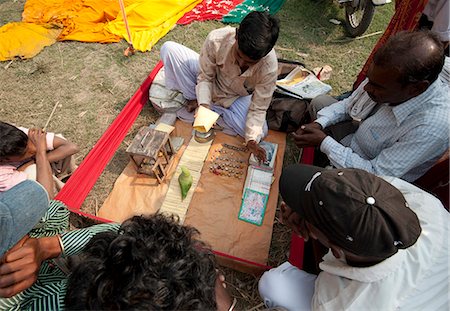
(287, 286)
(318, 103)
(166, 50)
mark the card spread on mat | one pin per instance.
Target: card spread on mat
(253, 207)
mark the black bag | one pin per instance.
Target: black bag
(286, 113)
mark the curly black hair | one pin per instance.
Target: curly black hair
(152, 263)
(13, 142)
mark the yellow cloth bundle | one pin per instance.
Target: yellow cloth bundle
(90, 21)
(150, 20)
(25, 40)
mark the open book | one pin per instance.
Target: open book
(303, 84)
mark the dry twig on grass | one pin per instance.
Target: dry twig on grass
(304, 55)
(8, 64)
(357, 38)
(51, 115)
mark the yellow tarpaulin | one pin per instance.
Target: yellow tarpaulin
(91, 21)
(150, 20)
(25, 40)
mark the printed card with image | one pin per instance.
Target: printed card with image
(253, 207)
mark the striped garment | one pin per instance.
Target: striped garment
(401, 141)
(49, 291)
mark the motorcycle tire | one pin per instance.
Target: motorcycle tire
(357, 19)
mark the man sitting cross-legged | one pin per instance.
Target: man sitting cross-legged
(388, 243)
(402, 109)
(234, 75)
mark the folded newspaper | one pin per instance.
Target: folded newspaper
(303, 84)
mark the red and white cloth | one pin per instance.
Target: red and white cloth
(208, 10)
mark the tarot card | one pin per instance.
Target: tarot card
(253, 207)
(271, 154)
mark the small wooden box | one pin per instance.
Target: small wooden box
(151, 151)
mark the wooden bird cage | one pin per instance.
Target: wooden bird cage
(151, 151)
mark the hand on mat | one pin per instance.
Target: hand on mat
(38, 138)
(223, 299)
(20, 266)
(293, 221)
(258, 151)
(309, 135)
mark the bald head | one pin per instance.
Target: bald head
(417, 56)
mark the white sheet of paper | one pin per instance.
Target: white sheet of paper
(162, 127)
(205, 119)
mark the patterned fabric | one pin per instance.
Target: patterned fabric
(55, 221)
(10, 176)
(401, 141)
(48, 292)
(240, 11)
(208, 10)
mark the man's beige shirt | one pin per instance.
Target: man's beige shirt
(221, 82)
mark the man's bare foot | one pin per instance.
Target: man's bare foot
(191, 105)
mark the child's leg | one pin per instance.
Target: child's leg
(64, 167)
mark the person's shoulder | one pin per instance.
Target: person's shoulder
(417, 198)
(222, 33)
(271, 57)
(430, 109)
(437, 107)
(270, 62)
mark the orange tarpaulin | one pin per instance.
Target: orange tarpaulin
(82, 20)
(25, 40)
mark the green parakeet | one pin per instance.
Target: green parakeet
(185, 181)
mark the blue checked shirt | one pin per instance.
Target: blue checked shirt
(401, 141)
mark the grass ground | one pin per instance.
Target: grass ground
(93, 82)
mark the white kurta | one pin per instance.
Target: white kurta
(416, 278)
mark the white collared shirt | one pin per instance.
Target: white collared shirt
(402, 141)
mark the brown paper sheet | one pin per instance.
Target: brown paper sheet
(214, 206)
